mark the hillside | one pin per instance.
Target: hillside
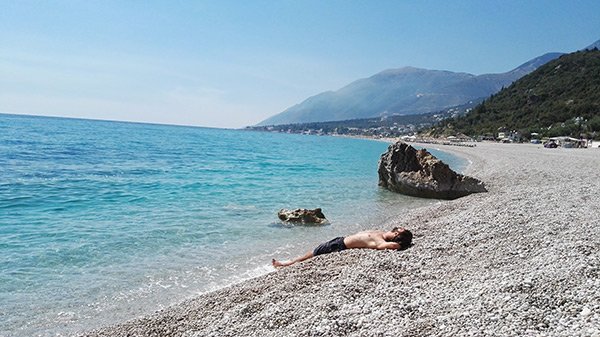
(387, 126)
(403, 91)
(560, 98)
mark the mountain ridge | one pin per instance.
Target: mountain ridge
(593, 45)
(402, 91)
(559, 98)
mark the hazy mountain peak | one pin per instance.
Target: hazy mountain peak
(593, 45)
(535, 63)
(402, 70)
(414, 70)
(404, 91)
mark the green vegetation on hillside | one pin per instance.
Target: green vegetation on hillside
(561, 98)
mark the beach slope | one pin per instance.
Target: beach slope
(520, 260)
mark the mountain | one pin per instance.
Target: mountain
(593, 45)
(482, 86)
(403, 91)
(388, 126)
(559, 98)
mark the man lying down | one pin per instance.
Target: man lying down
(398, 238)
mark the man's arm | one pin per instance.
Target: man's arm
(388, 245)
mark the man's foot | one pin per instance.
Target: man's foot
(280, 264)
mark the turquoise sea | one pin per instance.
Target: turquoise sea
(105, 221)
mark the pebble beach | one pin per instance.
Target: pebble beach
(522, 259)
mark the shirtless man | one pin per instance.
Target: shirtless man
(398, 238)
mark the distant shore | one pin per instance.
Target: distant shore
(520, 260)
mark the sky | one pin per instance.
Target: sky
(231, 64)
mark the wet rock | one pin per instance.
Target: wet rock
(302, 216)
(418, 173)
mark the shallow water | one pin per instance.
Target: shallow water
(104, 221)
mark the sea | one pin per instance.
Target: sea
(104, 221)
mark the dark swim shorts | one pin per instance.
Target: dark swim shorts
(331, 246)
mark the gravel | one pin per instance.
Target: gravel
(520, 260)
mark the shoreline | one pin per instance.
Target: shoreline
(522, 259)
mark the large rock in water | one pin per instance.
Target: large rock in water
(418, 173)
(301, 215)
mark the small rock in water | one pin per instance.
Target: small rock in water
(303, 216)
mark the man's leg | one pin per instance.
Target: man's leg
(291, 262)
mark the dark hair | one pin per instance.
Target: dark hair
(404, 238)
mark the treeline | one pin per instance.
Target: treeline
(561, 98)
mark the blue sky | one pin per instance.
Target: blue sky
(235, 63)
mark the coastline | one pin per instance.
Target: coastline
(522, 259)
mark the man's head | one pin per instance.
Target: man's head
(403, 237)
